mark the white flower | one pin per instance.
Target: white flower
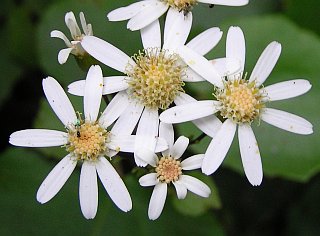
(168, 169)
(74, 46)
(87, 141)
(143, 13)
(240, 102)
(155, 77)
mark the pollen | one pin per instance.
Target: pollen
(156, 79)
(184, 6)
(87, 141)
(241, 101)
(168, 169)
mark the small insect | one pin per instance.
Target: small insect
(211, 5)
(186, 9)
(77, 125)
(78, 134)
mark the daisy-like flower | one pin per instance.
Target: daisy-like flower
(168, 169)
(143, 13)
(74, 46)
(240, 102)
(87, 141)
(154, 78)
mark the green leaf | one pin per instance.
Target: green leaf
(284, 154)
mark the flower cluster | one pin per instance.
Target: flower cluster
(149, 97)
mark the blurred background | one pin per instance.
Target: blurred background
(287, 202)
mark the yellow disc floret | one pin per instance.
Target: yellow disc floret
(87, 140)
(168, 169)
(184, 6)
(156, 79)
(241, 101)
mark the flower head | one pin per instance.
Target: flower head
(143, 13)
(74, 46)
(168, 170)
(241, 101)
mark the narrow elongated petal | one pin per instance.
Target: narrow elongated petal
(226, 2)
(148, 180)
(286, 121)
(38, 138)
(106, 53)
(172, 14)
(157, 200)
(123, 143)
(60, 35)
(179, 147)
(147, 156)
(129, 119)
(114, 185)
(218, 147)
(84, 25)
(125, 13)
(287, 89)
(205, 41)
(266, 63)
(59, 101)
(150, 13)
(88, 190)
(64, 55)
(192, 76)
(72, 24)
(189, 111)
(209, 124)
(181, 189)
(77, 87)
(161, 145)
(56, 179)
(236, 45)
(93, 93)
(200, 65)
(196, 186)
(250, 155)
(151, 35)
(114, 84)
(178, 32)
(193, 162)
(227, 67)
(114, 109)
(166, 132)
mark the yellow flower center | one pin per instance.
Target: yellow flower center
(168, 169)
(241, 101)
(184, 6)
(87, 141)
(156, 79)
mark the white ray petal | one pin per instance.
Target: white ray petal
(196, 186)
(72, 24)
(77, 87)
(146, 156)
(178, 32)
(205, 41)
(115, 108)
(226, 2)
(266, 63)
(250, 155)
(287, 89)
(166, 132)
(157, 200)
(227, 67)
(123, 143)
(56, 179)
(181, 189)
(150, 13)
(161, 145)
(93, 93)
(84, 24)
(188, 112)
(59, 101)
(129, 119)
(114, 185)
(151, 35)
(236, 45)
(192, 76)
(60, 35)
(38, 138)
(179, 147)
(114, 84)
(172, 14)
(64, 55)
(218, 147)
(106, 53)
(125, 13)
(200, 65)
(286, 121)
(88, 190)
(148, 180)
(193, 162)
